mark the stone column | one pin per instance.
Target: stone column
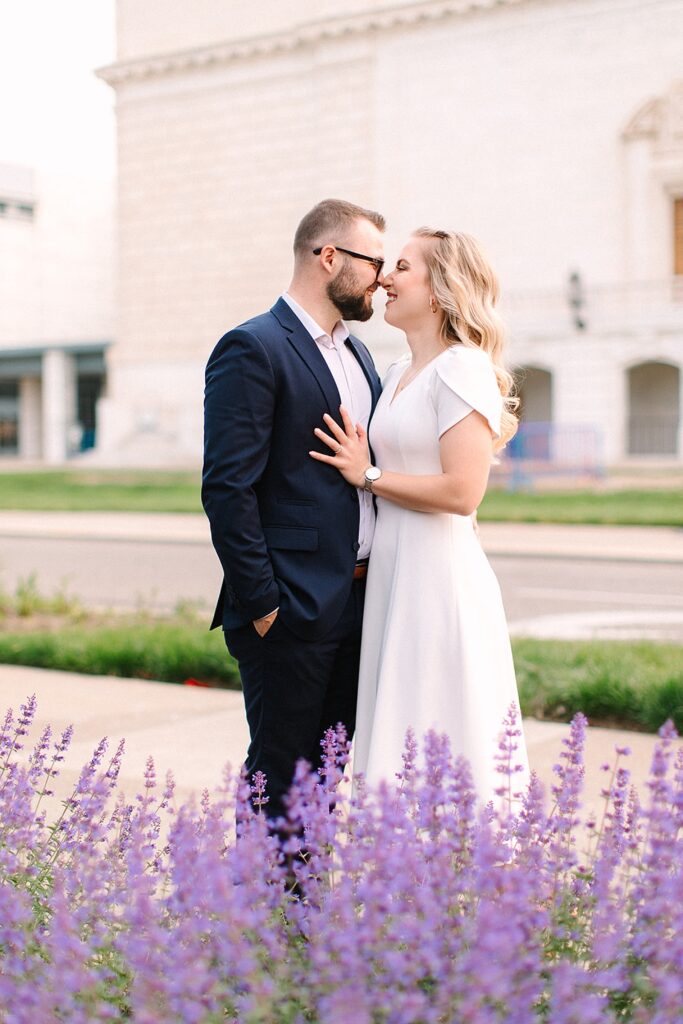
(59, 396)
(30, 419)
(617, 439)
(637, 254)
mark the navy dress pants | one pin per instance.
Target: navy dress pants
(294, 690)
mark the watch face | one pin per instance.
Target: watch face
(373, 473)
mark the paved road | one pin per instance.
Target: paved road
(117, 574)
(584, 599)
(550, 594)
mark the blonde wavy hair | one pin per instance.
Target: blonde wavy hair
(466, 290)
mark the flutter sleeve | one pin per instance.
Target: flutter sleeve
(463, 380)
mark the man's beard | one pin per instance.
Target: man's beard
(343, 292)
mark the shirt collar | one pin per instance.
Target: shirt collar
(340, 331)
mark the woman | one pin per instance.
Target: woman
(436, 652)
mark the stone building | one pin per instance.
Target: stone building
(56, 311)
(550, 129)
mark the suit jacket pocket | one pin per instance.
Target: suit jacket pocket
(304, 514)
(291, 538)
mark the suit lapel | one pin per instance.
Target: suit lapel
(309, 352)
(306, 348)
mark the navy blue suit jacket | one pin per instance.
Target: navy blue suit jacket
(284, 526)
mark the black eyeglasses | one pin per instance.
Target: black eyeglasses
(376, 263)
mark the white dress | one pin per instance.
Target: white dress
(436, 651)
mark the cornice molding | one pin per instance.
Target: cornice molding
(304, 35)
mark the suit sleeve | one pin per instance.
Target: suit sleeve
(239, 400)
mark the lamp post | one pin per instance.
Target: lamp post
(577, 300)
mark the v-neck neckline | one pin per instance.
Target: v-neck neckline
(412, 380)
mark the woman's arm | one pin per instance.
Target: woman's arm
(466, 450)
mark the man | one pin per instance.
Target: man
(292, 536)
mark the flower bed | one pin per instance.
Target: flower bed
(413, 905)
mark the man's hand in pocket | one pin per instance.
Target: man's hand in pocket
(263, 624)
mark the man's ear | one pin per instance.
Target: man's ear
(328, 258)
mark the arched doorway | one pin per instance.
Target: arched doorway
(535, 392)
(653, 409)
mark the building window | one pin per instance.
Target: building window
(88, 391)
(9, 417)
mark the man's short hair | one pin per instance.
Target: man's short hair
(326, 223)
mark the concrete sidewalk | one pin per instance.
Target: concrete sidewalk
(542, 540)
(195, 732)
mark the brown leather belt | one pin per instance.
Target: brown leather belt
(360, 571)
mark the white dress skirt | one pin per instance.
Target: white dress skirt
(436, 650)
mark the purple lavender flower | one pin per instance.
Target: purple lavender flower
(9, 740)
(412, 902)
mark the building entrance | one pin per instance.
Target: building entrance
(653, 392)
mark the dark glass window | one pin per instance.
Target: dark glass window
(9, 417)
(88, 391)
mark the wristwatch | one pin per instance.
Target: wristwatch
(372, 474)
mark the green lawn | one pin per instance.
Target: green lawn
(618, 683)
(160, 491)
(170, 650)
(101, 491)
(624, 508)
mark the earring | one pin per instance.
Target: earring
(432, 304)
